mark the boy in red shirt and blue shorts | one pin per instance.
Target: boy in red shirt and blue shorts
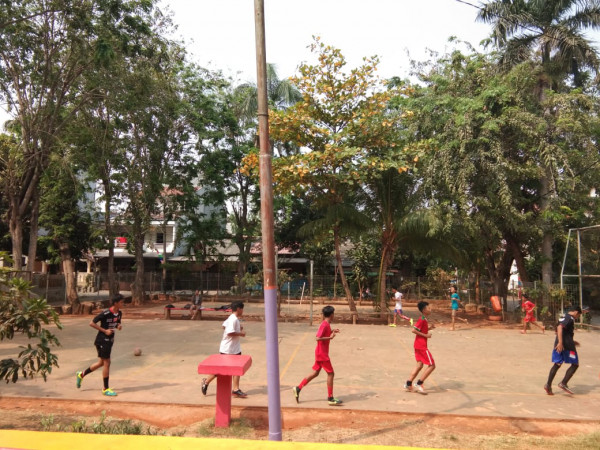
(422, 353)
(322, 361)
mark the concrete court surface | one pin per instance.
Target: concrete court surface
(483, 372)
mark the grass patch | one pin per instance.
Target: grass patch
(103, 426)
(238, 429)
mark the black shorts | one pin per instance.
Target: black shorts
(104, 348)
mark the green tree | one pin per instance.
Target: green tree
(550, 32)
(350, 133)
(22, 313)
(67, 221)
(45, 48)
(486, 127)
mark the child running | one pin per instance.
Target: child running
(398, 307)
(106, 323)
(422, 354)
(455, 305)
(322, 361)
(528, 307)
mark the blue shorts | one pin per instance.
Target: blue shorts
(566, 356)
(398, 312)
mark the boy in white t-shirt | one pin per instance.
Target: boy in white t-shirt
(230, 345)
(398, 307)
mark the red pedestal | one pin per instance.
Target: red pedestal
(224, 367)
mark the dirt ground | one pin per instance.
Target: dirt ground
(307, 424)
(318, 425)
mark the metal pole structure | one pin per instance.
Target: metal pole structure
(268, 240)
(312, 274)
(562, 271)
(579, 273)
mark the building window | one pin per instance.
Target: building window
(160, 238)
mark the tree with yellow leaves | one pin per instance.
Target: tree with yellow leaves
(348, 136)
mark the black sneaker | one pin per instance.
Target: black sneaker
(548, 389)
(239, 394)
(565, 388)
(204, 386)
(296, 392)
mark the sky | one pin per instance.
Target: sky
(220, 33)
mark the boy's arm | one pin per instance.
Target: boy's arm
(100, 329)
(419, 333)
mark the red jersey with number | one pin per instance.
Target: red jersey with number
(322, 350)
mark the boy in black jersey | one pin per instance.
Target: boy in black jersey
(106, 323)
(564, 351)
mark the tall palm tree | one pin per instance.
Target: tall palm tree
(395, 205)
(341, 220)
(551, 32)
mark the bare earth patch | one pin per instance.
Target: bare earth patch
(302, 425)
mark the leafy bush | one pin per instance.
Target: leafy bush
(22, 313)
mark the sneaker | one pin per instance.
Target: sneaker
(393, 325)
(409, 388)
(239, 394)
(334, 401)
(79, 379)
(204, 386)
(565, 388)
(109, 392)
(296, 392)
(421, 389)
(548, 389)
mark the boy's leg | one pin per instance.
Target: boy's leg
(235, 382)
(427, 373)
(569, 373)
(330, 384)
(415, 371)
(309, 378)
(453, 318)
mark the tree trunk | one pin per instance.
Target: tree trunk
(548, 239)
(113, 288)
(16, 234)
(137, 291)
(70, 281)
(33, 230)
(499, 274)
(338, 257)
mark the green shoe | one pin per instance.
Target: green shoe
(79, 379)
(334, 401)
(109, 392)
(296, 392)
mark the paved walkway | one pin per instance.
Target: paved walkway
(487, 372)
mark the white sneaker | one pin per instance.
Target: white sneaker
(408, 388)
(421, 389)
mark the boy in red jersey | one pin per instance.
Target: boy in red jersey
(422, 354)
(528, 307)
(322, 361)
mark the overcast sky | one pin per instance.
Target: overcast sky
(220, 33)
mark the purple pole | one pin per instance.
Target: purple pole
(267, 221)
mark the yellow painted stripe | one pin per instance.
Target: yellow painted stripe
(294, 353)
(60, 441)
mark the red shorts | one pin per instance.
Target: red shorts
(325, 365)
(424, 355)
(529, 317)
